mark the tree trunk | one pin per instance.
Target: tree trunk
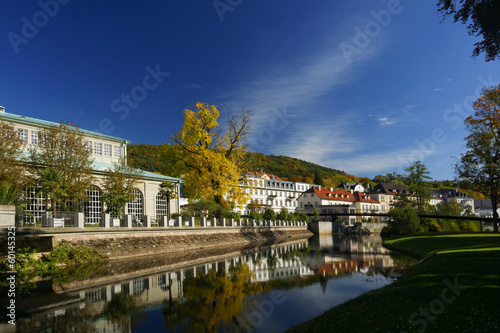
(495, 213)
(168, 208)
(217, 200)
(53, 208)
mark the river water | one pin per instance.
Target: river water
(269, 288)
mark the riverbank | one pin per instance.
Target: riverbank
(454, 288)
(122, 244)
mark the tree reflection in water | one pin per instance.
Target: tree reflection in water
(213, 301)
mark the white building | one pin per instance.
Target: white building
(106, 151)
(329, 201)
(271, 191)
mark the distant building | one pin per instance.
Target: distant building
(385, 193)
(462, 198)
(484, 208)
(356, 187)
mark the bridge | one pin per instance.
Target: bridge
(421, 216)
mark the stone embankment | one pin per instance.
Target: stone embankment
(129, 244)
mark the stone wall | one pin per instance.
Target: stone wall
(7, 216)
(320, 227)
(118, 245)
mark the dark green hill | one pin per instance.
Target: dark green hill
(146, 157)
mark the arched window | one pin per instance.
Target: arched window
(135, 205)
(35, 205)
(161, 206)
(92, 208)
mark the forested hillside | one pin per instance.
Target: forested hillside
(146, 157)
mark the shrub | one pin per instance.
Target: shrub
(255, 216)
(283, 214)
(403, 221)
(430, 225)
(269, 214)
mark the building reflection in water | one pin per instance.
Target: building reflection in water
(120, 306)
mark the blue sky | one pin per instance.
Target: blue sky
(362, 86)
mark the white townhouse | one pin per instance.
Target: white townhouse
(328, 201)
(267, 190)
(106, 151)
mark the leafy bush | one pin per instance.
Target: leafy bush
(255, 216)
(403, 221)
(283, 214)
(228, 214)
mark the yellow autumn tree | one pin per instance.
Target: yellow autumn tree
(208, 156)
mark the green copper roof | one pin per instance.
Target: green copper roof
(106, 166)
(40, 122)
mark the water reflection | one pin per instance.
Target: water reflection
(269, 289)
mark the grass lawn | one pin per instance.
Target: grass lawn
(454, 288)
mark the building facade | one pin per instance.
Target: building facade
(270, 191)
(334, 201)
(106, 151)
(385, 194)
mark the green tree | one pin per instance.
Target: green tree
(118, 187)
(11, 168)
(318, 178)
(204, 207)
(51, 182)
(403, 221)
(8, 194)
(209, 156)
(168, 190)
(269, 214)
(483, 19)
(450, 208)
(480, 164)
(283, 214)
(63, 148)
(315, 214)
(418, 177)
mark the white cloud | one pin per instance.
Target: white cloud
(384, 121)
(317, 143)
(372, 163)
